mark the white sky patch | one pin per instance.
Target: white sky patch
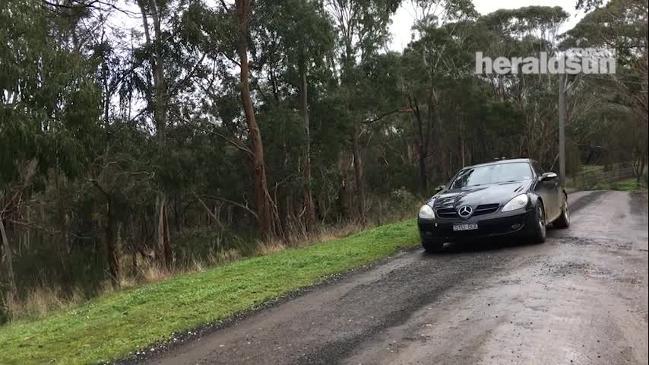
(403, 19)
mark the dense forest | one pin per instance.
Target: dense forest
(153, 135)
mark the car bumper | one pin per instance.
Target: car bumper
(491, 225)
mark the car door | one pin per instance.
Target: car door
(549, 190)
(555, 187)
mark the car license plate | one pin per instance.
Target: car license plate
(465, 227)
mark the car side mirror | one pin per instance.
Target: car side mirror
(440, 188)
(548, 176)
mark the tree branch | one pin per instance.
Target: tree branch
(370, 121)
(240, 146)
(180, 83)
(208, 210)
(242, 206)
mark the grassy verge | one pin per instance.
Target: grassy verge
(623, 185)
(111, 326)
(628, 185)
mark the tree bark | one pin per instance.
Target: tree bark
(8, 258)
(111, 246)
(29, 171)
(159, 99)
(309, 207)
(262, 196)
(421, 146)
(358, 175)
(159, 84)
(163, 251)
(160, 117)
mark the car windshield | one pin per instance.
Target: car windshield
(492, 174)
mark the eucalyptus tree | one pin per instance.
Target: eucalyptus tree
(621, 26)
(294, 40)
(156, 94)
(222, 33)
(165, 63)
(526, 32)
(439, 55)
(49, 105)
(362, 26)
(268, 224)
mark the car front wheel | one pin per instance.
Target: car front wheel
(564, 219)
(538, 226)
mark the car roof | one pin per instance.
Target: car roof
(499, 162)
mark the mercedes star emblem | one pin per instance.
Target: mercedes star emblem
(465, 211)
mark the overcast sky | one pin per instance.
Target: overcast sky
(403, 19)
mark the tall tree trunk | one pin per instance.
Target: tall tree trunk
(421, 145)
(159, 83)
(164, 253)
(423, 179)
(309, 208)
(345, 192)
(111, 246)
(358, 175)
(160, 117)
(8, 258)
(262, 196)
(163, 250)
(28, 174)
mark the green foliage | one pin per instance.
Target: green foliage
(50, 100)
(525, 21)
(621, 100)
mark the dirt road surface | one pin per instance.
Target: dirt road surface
(580, 298)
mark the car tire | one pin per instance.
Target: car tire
(564, 219)
(433, 246)
(538, 229)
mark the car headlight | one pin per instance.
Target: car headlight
(426, 212)
(518, 202)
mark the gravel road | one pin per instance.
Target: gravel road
(580, 298)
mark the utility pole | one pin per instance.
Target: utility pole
(562, 128)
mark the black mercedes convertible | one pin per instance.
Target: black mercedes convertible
(504, 197)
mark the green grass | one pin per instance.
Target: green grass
(592, 169)
(112, 326)
(627, 185)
